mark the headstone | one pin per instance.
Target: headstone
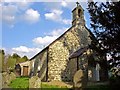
(7, 78)
(5, 81)
(12, 76)
(34, 82)
(79, 80)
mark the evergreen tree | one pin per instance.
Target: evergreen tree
(105, 22)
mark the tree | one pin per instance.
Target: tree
(7, 62)
(15, 56)
(10, 63)
(19, 59)
(23, 59)
(105, 22)
(2, 64)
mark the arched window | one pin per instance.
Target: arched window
(79, 12)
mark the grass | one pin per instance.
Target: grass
(21, 82)
(52, 87)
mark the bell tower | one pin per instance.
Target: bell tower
(78, 15)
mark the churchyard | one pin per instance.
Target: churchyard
(11, 81)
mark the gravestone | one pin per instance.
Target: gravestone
(34, 82)
(12, 76)
(79, 80)
(7, 78)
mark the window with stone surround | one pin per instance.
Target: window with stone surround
(79, 11)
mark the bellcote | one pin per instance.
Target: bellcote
(78, 15)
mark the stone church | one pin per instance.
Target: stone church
(68, 53)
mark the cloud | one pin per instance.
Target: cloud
(40, 42)
(24, 5)
(67, 4)
(60, 4)
(2, 48)
(72, 5)
(44, 41)
(12, 12)
(57, 32)
(56, 15)
(31, 16)
(63, 3)
(66, 21)
(9, 14)
(23, 50)
(49, 38)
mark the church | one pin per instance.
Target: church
(67, 54)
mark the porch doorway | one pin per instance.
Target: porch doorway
(25, 70)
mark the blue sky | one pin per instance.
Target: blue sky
(27, 27)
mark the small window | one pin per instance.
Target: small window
(79, 12)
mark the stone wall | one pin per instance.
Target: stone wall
(53, 62)
(60, 50)
(58, 58)
(40, 65)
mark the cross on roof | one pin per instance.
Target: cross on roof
(77, 3)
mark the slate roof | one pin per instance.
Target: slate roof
(78, 52)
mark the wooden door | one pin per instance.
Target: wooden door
(25, 70)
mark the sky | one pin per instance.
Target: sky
(28, 27)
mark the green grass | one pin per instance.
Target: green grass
(48, 86)
(52, 87)
(21, 82)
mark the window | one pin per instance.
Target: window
(79, 12)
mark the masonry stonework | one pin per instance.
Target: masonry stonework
(53, 62)
(59, 53)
